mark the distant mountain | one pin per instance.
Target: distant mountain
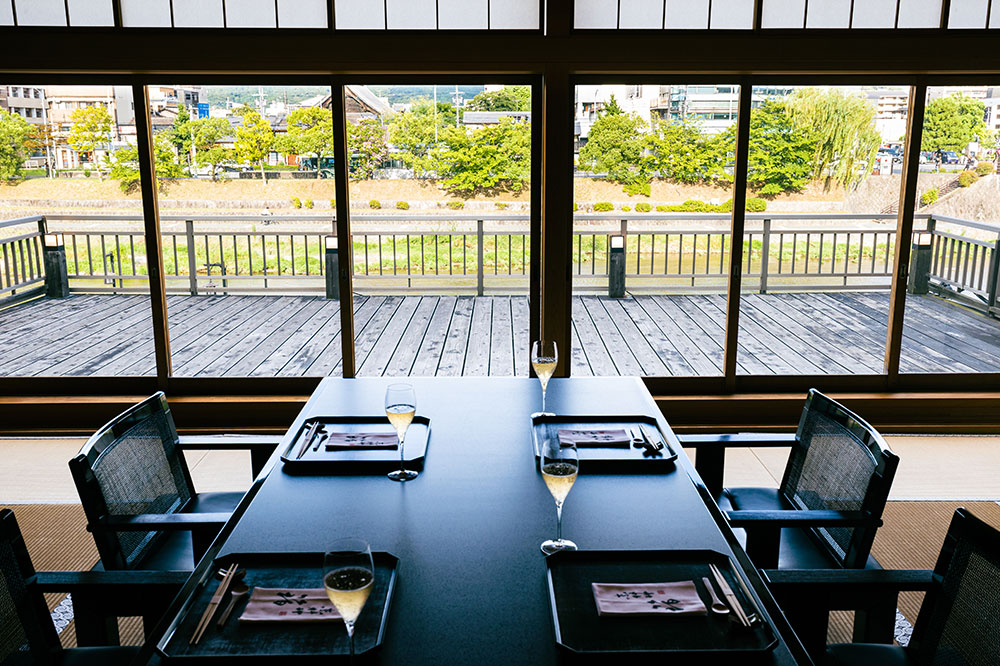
(408, 94)
(216, 96)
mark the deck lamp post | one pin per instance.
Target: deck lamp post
(332, 257)
(616, 266)
(56, 273)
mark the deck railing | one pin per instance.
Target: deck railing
(489, 254)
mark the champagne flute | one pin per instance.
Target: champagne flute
(560, 464)
(400, 406)
(544, 357)
(348, 577)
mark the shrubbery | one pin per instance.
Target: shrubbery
(929, 197)
(967, 178)
(985, 168)
(296, 202)
(501, 205)
(626, 208)
(308, 203)
(402, 205)
(374, 204)
(603, 206)
(456, 205)
(753, 205)
(643, 207)
(333, 204)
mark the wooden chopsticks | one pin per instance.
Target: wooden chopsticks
(213, 605)
(730, 596)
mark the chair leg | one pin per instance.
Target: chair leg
(810, 625)
(201, 539)
(94, 625)
(877, 623)
(763, 546)
(710, 463)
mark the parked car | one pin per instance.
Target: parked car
(950, 157)
(926, 156)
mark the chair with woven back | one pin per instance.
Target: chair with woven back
(138, 496)
(828, 507)
(958, 620)
(27, 634)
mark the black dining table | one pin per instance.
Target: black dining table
(471, 585)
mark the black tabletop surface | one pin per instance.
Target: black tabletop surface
(472, 586)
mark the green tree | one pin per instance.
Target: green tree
(680, 151)
(179, 133)
(844, 128)
(14, 136)
(208, 132)
(90, 130)
(413, 133)
(617, 146)
(509, 98)
(254, 139)
(367, 147)
(310, 131)
(124, 164)
(950, 123)
(781, 154)
(42, 140)
(611, 108)
(491, 159)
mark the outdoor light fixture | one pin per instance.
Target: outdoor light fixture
(53, 240)
(331, 242)
(618, 242)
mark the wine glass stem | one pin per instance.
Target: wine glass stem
(402, 464)
(543, 399)
(559, 521)
(350, 638)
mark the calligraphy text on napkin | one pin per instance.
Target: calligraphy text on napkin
(361, 440)
(274, 605)
(648, 599)
(597, 438)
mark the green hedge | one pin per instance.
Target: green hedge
(374, 204)
(985, 168)
(603, 206)
(967, 178)
(929, 197)
(643, 207)
(402, 205)
(296, 202)
(456, 205)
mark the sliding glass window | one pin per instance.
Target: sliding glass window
(247, 216)
(823, 190)
(440, 204)
(74, 291)
(952, 299)
(651, 234)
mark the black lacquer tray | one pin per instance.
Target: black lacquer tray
(348, 461)
(583, 634)
(324, 642)
(610, 459)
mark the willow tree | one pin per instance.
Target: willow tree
(844, 128)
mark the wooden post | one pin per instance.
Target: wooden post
(557, 212)
(344, 242)
(192, 257)
(535, 223)
(479, 258)
(994, 273)
(742, 159)
(332, 265)
(151, 221)
(616, 266)
(765, 256)
(904, 231)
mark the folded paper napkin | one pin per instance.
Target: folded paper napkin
(595, 438)
(361, 440)
(276, 605)
(648, 599)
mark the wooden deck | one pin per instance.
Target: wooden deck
(812, 333)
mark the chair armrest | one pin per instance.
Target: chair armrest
(853, 582)
(796, 518)
(167, 522)
(75, 581)
(740, 439)
(227, 442)
(260, 446)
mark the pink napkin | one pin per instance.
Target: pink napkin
(648, 599)
(275, 605)
(594, 437)
(361, 440)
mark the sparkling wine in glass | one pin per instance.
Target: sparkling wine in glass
(559, 465)
(348, 577)
(544, 357)
(400, 406)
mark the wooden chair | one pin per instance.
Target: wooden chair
(829, 505)
(27, 635)
(957, 623)
(137, 492)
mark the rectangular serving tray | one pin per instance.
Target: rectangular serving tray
(612, 459)
(581, 632)
(321, 642)
(345, 461)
